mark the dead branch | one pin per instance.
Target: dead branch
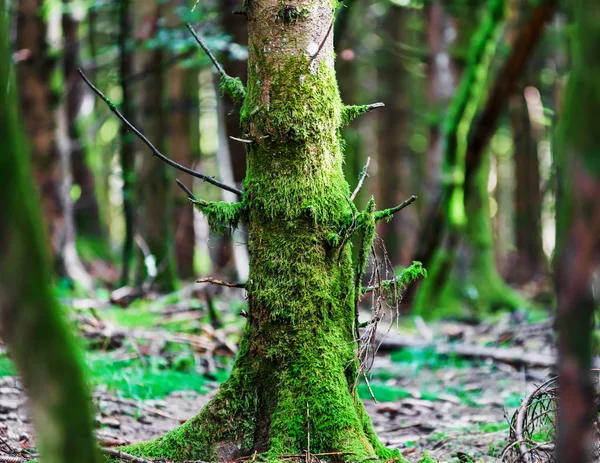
(214, 281)
(363, 175)
(217, 65)
(388, 213)
(147, 142)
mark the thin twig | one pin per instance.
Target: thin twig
(124, 456)
(214, 281)
(147, 142)
(363, 175)
(313, 57)
(217, 65)
(389, 212)
(186, 190)
(241, 140)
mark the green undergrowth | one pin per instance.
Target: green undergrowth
(129, 378)
(154, 380)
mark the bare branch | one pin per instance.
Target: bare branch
(363, 175)
(147, 142)
(388, 213)
(214, 281)
(186, 190)
(239, 87)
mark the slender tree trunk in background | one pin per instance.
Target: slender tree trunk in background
(127, 153)
(31, 321)
(462, 277)
(347, 41)
(397, 164)
(155, 190)
(184, 148)
(236, 26)
(297, 367)
(37, 105)
(86, 210)
(231, 152)
(531, 262)
(578, 245)
(441, 80)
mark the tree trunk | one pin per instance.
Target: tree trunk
(463, 272)
(184, 148)
(31, 320)
(85, 208)
(127, 154)
(155, 184)
(37, 104)
(578, 233)
(292, 390)
(397, 163)
(531, 262)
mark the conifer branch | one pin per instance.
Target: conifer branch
(388, 213)
(149, 144)
(214, 281)
(231, 85)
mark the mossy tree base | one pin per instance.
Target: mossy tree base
(271, 407)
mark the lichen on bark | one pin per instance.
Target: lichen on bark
(297, 366)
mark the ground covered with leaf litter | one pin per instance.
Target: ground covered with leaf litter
(428, 397)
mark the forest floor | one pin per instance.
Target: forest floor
(447, 404)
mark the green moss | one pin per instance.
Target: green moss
(233, 87)
(221, 216)
(351, 112)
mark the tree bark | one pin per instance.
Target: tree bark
(296, 372)
(31, 320)
(578, 238)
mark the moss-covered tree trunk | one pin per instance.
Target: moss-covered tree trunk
(31, 322)
(296, 371)
(578, 238)
(463, 280)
